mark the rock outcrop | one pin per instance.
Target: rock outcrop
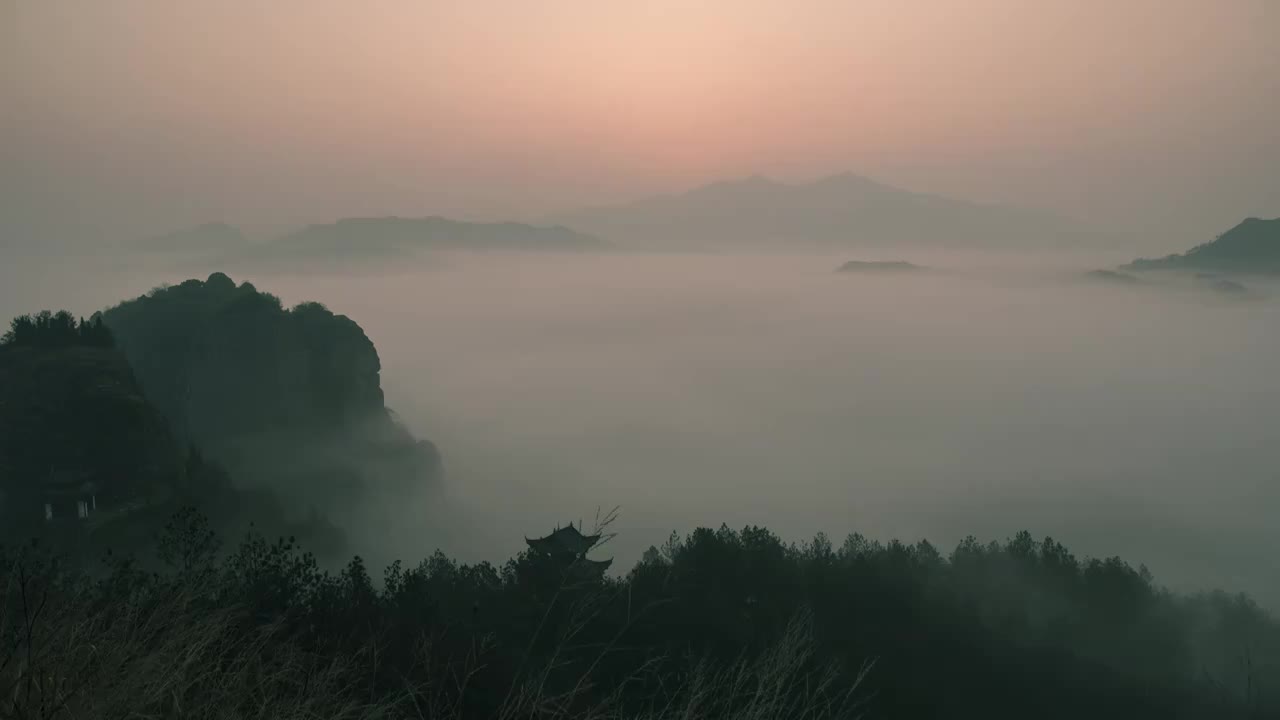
(286, 398)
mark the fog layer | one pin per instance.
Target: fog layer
(993, 395)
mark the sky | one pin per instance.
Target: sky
(126, 118)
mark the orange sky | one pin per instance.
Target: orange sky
(140, 115)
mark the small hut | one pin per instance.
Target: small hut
(69, 495)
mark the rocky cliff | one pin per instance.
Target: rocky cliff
(286, 398)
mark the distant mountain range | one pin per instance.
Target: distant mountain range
(839, 212)
(390, 236)
(1253, 246)
(842, 211)
(358, 239)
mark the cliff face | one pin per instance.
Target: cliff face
(281, 397)
(221, 360)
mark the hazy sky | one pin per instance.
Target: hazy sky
(134, 116)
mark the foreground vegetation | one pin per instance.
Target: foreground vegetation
(719, 623)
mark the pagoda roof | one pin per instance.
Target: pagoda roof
(565, 540)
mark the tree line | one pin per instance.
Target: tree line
(57, 330)
(718, 623)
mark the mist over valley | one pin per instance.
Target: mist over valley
(999, 391)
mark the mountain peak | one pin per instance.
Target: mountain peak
(750, 183)
(844, 210)
(1253, 245)
(845, 178)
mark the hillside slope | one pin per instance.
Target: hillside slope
(74, 425)
(76, 428)
(1253, 246)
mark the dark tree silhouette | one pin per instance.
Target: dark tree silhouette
(54, 330)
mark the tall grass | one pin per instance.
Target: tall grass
(141, 645)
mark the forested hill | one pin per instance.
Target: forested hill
(76, 427)
(287, 398)
(1253, 246)
(74, 423)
